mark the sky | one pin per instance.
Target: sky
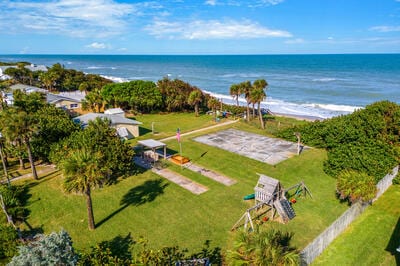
(199, 27)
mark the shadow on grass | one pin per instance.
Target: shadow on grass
(143, 131)
(119, 246)
(213, 254)
(394, 243)
(30, 234)
(147, 192)
(45, 178)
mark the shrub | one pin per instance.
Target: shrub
(355, 186)
(8, 241)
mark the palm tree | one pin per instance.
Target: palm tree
(258, 95)
(262, 247)
(195, 98)
(235, 92)
(245, 88)
(3, 159)
(93, 101)
(19, 129)
(213, 103)
(83, 172)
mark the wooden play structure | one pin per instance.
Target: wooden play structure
(270, 193)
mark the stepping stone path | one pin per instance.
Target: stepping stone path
(180, 180)
(210, 174)
(172, 176)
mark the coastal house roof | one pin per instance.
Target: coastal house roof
(114, 119)
(27, 88)
(77, 95)
(54, 98)
(34, 67)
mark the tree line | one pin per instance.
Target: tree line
(56, 78)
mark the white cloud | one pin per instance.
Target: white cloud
(271, 2)
(385, 28)
(68, 17)
(330, 38)
(212, 29)
(211, 2)
(294, 41)
(249, 3)
(96, 45)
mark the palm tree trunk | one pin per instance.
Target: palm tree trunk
(260, 116)
(4, 208)
(89, 209)
(254, 111)
(21, 163)
(196, 109)
(248, 112)
(4, 165)
(32, 163)
(237, 100)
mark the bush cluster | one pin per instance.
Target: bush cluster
(365, 141)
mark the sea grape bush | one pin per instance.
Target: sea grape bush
(355, 186)
(366, 140)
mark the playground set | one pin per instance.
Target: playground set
(269, 192)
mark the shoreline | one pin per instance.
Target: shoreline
(300, 117)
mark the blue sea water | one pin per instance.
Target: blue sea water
(311, 85)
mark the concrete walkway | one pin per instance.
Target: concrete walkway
(210, 174)
(180, 180)
(172, 176)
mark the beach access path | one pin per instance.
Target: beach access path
(202, 129)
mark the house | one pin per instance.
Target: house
(8, 97)
(2, 75)
(126, 128)
(27, 88)
(31, 67)
(66, 100)
(34, 67)
(63, 102)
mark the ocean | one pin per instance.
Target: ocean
(308, 85)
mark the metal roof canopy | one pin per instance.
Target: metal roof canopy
(154, 144)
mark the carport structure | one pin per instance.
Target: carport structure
(153, 145)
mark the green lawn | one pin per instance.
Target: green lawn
(165, 125)
(166, 214)
(372, 238)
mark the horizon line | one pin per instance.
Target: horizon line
(190, 54)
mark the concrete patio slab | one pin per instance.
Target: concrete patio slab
(265, 149)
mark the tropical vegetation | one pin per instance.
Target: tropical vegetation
(367, 140)
(262, 247)
(92, 158)
(53, 249)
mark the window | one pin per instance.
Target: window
(73, 105)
